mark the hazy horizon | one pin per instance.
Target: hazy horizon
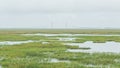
(59, 14)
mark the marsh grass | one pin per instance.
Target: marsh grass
(72, 47)
(32, 55)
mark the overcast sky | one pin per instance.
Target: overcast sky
(59, 13)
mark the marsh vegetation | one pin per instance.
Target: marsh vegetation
(51, 52)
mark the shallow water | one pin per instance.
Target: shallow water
(56, 61)
(112, 47)
(97, 66)
(14, 42)
(45, 42)
(53, 60)
(40, 34)
(66, 39)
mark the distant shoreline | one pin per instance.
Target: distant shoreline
(72, 31)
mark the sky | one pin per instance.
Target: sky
(59, 13)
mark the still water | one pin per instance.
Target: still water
(109, 46)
